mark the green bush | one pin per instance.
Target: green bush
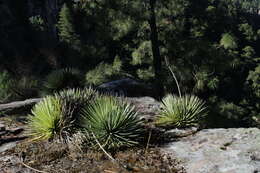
(24, 88)
(228, 114)
(17, 89)
(145, 74)
(253, 81)
(182, 111)
(63, 79)
(228, 41)
(5, 86)
(44, 122)
(114, 123)
(104, 73)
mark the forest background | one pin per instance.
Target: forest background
(212, 46)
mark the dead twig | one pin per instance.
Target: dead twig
(109, 171)
(109, 156)
(173, 75)
(36, 170)
(102, 148)
(148, 141)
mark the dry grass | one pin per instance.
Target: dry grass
(55, 157)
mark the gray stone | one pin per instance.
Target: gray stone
(219, 151)
(176, 133)
(2, 127)
(7, 146)
(147, 107)
(127, 87)
(16, 130)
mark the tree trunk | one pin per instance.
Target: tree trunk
(157, 60)
(18, 106)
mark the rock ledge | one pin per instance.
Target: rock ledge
(219, 151)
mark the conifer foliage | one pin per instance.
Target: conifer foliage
(66, 28)
(212, 46)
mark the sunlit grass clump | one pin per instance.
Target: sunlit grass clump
(182, 111)
(44, 120)
(112, 122)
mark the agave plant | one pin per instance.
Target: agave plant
(63, 79)
(181, 111)
(112, 122)
(77, 95)
(44, 120)
(74, 100)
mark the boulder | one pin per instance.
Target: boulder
(127, 87)
(219, 151)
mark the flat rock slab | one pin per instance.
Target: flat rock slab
(219, 151)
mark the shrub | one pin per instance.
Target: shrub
(24, 88)
(181, 111)
(63, 79)
(44, 120)
(114, 123)
(145, 74)
(104, 72)
(253, 81)
(5, 86)
(228, 41)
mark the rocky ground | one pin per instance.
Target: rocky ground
(219, 151)
(187, 150)
(17, 154)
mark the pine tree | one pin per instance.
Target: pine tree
(67, 33)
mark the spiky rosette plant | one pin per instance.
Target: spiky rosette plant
(77, 95)
(57, 115)
(113, 122)
(182, 111)
(74, 100)
(44, 122)
(63, 79)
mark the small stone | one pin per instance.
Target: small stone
(2, 127)
(2, 133)
(16, 130)
(255, 156)
(7, 146)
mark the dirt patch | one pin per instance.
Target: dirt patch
(25, 156)
(55, 157)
